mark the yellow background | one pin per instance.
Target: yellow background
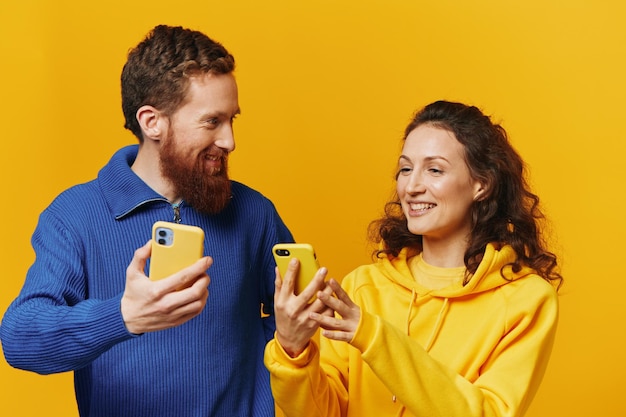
(326, 89)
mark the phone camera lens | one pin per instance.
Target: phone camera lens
(162, 233)
(162, 241)
(282, 252)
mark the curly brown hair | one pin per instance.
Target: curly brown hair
(157, 70)
(508, 215)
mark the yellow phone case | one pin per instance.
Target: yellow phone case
(174, 247)
(283, 252)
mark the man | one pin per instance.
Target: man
(149, 348)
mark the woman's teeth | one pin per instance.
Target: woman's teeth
(421, 206)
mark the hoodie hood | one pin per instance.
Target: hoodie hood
(488, 275)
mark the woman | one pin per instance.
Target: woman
(456, 318)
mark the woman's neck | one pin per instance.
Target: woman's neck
(444, 253)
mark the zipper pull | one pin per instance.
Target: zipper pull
(176, 208)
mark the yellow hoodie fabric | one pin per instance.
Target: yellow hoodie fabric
(461, 351)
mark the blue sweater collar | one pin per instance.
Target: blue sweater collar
(123, 190)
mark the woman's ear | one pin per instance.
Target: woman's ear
(481, 191)
(151, 122)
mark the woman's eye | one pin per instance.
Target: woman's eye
(435, 171)
(403, 171)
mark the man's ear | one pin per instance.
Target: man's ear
(151, 122)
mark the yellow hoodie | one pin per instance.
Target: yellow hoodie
(461, 351)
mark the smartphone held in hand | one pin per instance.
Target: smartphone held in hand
(283, 252)
(174, 247)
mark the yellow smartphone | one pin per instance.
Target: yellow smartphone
(174, 247)
(283, 252)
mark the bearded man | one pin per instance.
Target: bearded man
(169, 347)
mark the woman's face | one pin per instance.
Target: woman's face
(434, 185)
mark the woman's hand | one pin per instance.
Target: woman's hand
(337, 328)
(294, 326)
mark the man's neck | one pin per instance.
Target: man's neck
(147, 167)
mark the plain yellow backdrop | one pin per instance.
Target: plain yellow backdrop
(326, 89)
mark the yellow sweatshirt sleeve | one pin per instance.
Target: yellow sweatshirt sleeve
(301, 387)
(507, 381)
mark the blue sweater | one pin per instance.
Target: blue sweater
(67, 316)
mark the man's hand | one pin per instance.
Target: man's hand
(149, 306)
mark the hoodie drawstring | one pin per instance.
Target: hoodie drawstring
(408, 316)
(433, 334)
(437, 327)
(408, 331)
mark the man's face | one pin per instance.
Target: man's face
(194, 153)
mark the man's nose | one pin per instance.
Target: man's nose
(226, 139)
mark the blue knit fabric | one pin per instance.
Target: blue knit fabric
(67, 316)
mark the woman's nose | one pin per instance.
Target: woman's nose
(415, 184)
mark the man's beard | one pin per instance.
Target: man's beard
(207, 192)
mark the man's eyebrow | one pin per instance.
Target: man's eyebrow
(219, 113)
